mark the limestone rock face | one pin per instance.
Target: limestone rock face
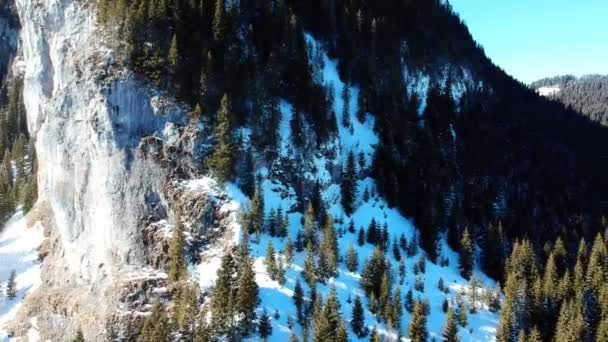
(88, 118)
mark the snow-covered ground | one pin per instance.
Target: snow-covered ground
(359, 138)
(548, 91)
(18, 252)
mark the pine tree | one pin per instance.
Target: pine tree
(298, 300)
(270, 261)
(351, 227)
(265, 325)
(288, 251)
(466, 255)
(535, 336)
(309, 267)
(346, 106)
(396, 308)
(417, 329)
(329, 246)
(173, 57)
(221, 159)
(450, 328)
(310, 226)
(352, 259)
(177, 262)
(361, 237)
(222, 299)
(409, 301)
(11, 286)
(256, 213)
(186, 307)
(219, 21)
(79, 336)
(358, 319)
(571, 326)
(156, 326)
(373, 272)
(247, 297)
(349, 184)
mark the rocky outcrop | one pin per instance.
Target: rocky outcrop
(101, 137)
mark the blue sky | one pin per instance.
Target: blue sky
(532, 39)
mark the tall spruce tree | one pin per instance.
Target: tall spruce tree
(466, 255)
(417, 329)
(221, 159)
(450, 328)
(349, 184)
(358, 319)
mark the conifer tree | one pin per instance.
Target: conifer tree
(352, 259)
(330, 246)
(396, 307)
(186, 307)
(222, 299)
(361, 237)
(256, 213)
(417, 329)
(351, 227)
(221, 159)
(298, 300)
(173, 57)
(571, 326)
(247, 297)
(79, 336)
(466, 255)
(177, 262)
(349, 184)
(156, 326)
(265, 325)
(409, 301)
(309, 267)
(450, 328)
(346, 106)
(219, 21)
(288, 251)
(310, 226)
(11, 286)
(270, 261)
(358, 319)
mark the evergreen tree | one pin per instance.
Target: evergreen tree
(346, 106)
(361, 237)
(466, 255)
(373, 272)
(156, 326)
(351, 227)
(221, 159)
(358, 319)
(247, 297)
(417, 330)
(270, 261)
(396, 309)
(329, 246)
(186, 307)
(79, 336)
(288, 251)
(450, 328)
(352, 259)
(222, 299)
(177, 261)
(310, 226)
(409, 301)
(349, 184)
(571, 326)
(265, 325)
(219, 21)
(11, 286)
(173, 57)
(309, 267)
(298, 300)
(256, 213)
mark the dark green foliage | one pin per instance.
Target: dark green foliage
(352, 259)
(11, 285)
(298, 300)
(79, 336)
(466, 255)
(417, 329)
(349, 184)
(265, 325)
(450, 328)
(221, 160)
(156, 326)
(358, 319)
(177, 261)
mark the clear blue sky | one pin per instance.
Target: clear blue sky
(532, 39)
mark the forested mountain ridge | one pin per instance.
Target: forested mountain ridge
(587, 94)
(244, 170)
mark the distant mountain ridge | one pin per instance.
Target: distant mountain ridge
(587, 94)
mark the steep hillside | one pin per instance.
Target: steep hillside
(326, 170)
(587, 95)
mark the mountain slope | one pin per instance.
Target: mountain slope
(587, 95)
(161, 127)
